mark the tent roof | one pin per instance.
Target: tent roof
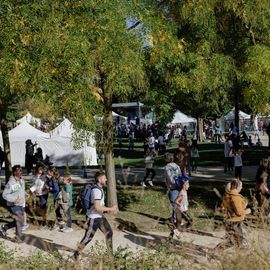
(127, 105)
(114, 114)
(180, 117)
(28, 118)
(230, 116)
(25, 130)
(64, 129)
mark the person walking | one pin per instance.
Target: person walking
(96, 219)
(14, 194)
(149, 161)
(235, 207)
(238, 164)
(172, 173)
(194, 156)
(2, 158)
(41, 191)
(183, 219)
(67, 203)
(228, 153)
(29, 156)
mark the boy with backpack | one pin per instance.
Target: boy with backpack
(96, 219)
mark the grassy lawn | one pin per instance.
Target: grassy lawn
(211, 154)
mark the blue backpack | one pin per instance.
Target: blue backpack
(85, 195)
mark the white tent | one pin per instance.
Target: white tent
(229, 118)
(231, 115)
(18, 137)
(181, 118)
(115, 115)
(29, 119)
(25, 130)
(63, 132)
(64, 129)
(59, 148)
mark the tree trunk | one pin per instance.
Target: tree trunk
(108, 140)
(4, 128)
(236, 108)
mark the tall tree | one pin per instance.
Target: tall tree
(83, 55)
(14, 81)
(221, 42)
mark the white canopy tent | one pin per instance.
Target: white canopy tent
(87, 153)
(229, 118)
(181, 118)
(59, 148)
(231, 115)
(18, 137)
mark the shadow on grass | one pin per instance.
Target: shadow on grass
(126, 198)
(156, 241)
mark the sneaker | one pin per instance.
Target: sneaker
(18, 240)
(25, 227)
(3, 231)
(67, 230)
(150, 183)
(43, 227)
(177, 233)
(143, 184)
(61, 222)
(55, 227)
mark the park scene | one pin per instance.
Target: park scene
(134, 134)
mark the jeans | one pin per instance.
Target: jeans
(18, 215)
(173, 193)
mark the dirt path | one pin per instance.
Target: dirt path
(65, 243)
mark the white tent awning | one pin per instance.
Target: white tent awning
(180, 117)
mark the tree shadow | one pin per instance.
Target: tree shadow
(44, 244)
(160, 219)
(154, 241)
(124, 199)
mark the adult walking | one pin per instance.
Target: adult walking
(2, 158)
(29, 156)
(172, 173)
(96, 218)
(268, 134)
(14, 194)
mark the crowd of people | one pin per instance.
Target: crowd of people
(178, 170)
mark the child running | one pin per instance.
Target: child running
(183, 219)
(149, 161)
(67, 203)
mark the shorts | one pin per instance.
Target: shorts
(43, 201)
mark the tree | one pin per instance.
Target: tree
(221, 44)
(14, 80)
(82, 55)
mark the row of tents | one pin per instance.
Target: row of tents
(57, 144)
(224, 121)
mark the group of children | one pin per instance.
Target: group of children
(43, 185)
(61, 190)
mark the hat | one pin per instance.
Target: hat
(185, 178)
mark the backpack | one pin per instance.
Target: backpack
(85, 195)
